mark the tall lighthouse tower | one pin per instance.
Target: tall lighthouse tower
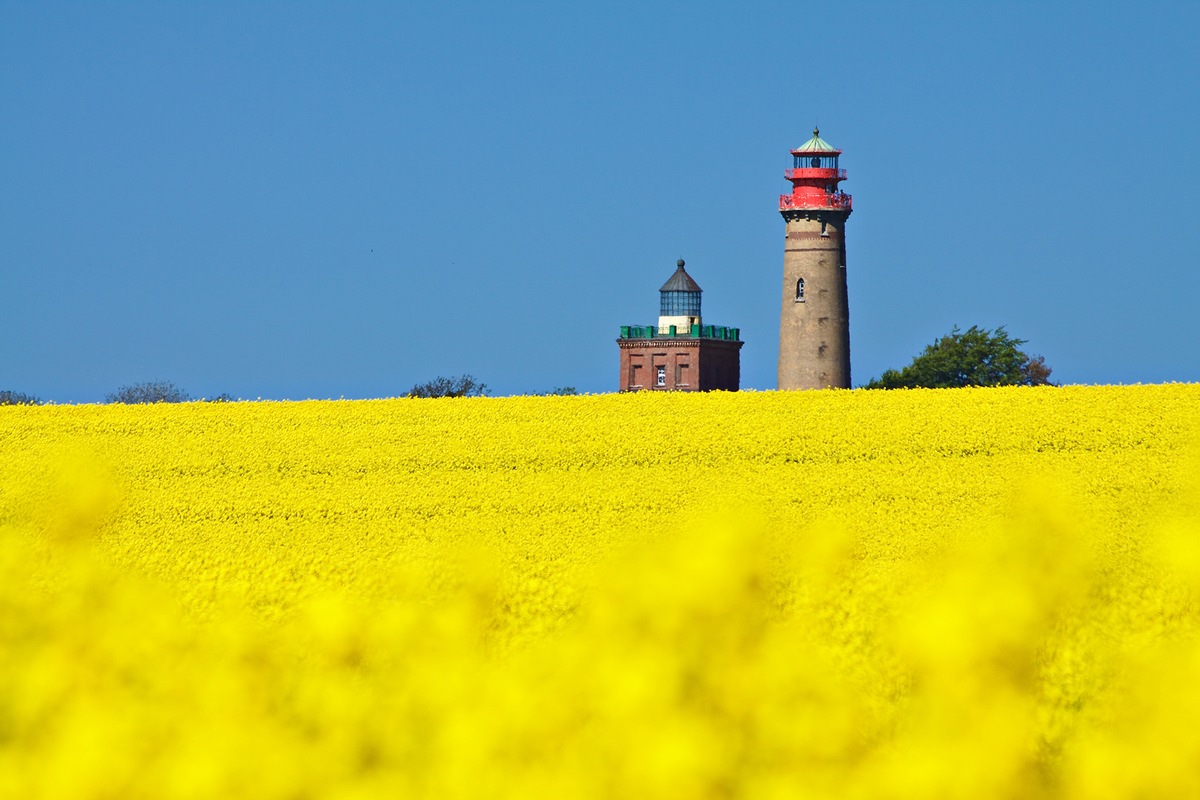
(814, 327)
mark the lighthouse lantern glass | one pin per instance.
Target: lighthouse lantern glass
(807, 161)
(679, 304)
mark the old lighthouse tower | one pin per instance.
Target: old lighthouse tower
(680, 353)
(814, 327)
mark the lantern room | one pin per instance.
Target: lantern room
(679, 302)
(815, 177)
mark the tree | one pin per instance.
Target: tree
(561, 391)
(976, 357)
(151, 392)
(11, 398)
(1037, 373)
(462, 386)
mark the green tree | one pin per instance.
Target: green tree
(975, 357)
(461, 386)
(151, 392)
(11, 398)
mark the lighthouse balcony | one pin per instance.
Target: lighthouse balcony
(721, 332)
(815, 174)
(834, 200)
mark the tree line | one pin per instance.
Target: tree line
(974, 357)
(166, 392)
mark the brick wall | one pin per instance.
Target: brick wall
(680, 364)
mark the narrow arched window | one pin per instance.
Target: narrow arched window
(800, 290)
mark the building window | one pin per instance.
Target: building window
(662, 375)
(800, 290)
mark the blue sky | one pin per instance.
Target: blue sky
(294, 200)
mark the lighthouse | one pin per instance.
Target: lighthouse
(814, 326)
(680, 353)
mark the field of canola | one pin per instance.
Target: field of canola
(911, 594)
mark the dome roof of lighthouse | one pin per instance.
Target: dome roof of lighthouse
(816, 145)
(680, 281)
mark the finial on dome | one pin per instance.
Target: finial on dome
(816, 131)
(679, 263)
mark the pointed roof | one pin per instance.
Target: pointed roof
(680, 281)
(816, 145)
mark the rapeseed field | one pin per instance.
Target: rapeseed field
(845, 594)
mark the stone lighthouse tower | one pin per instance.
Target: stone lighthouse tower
(814, 327)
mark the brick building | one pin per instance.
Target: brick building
(680, 353)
